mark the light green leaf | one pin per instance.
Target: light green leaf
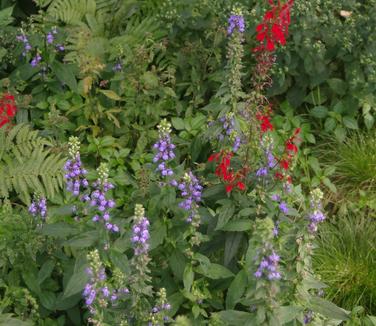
(110, 94)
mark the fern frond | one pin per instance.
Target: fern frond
(71, 11)
(27, 164)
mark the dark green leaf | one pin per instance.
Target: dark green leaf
(65, 74)
(236, 289)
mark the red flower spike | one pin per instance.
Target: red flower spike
(7, 109)
(274, 28)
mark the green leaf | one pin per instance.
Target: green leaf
(340, 133)
(337, 85)
(236, 289)
(6, 16)
(238, 226)
(232, 243)
(110, 94)
(225, 214)
(188, 277)
(330, 124)
(45, 271)
(65, 74)
(76, 283)
(236, 318)
(83, 240)
(215, 271)
(31, 280)
(350, 122)
(328, 309)
(319, 112)
(59, 230)
(369, 121)
(8, 320)
(48, 299)
(329, 184)
(288, 313)
(120, 261)
(178, 123)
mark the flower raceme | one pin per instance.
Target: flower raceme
(8, 108)
(274, 27)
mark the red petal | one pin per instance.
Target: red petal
(241, 185)
(270, 45)
(229, 188)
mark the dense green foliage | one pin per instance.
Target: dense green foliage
(112, 72)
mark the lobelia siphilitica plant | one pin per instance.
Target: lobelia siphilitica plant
(42, 51)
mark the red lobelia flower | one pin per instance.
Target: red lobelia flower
(274, 27)
(8, 109)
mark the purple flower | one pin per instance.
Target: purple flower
(36, 60)
(50, 38)
(140, 232)
(283, 207)
(39, 208)
(117, 67)
(75, 175)
(316, 216)
(235, 22)
(27, 47)
(261, 172)
(190, 189)
(165, 149)
(268, 267)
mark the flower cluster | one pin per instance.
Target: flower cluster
(236, 22)
(97, 199)
(8, 109)
(23, 38)
(316, 216)
(140, 231)
(265, 124)
(269, 267)
(158, 312)
(225, 172)
(190, 189)
(165, 148)
(75, 174)
(274, 28)
(50, 38)
(38, 207)
(97, 293)
(291, 150)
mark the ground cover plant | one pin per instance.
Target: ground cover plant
(148, 176)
